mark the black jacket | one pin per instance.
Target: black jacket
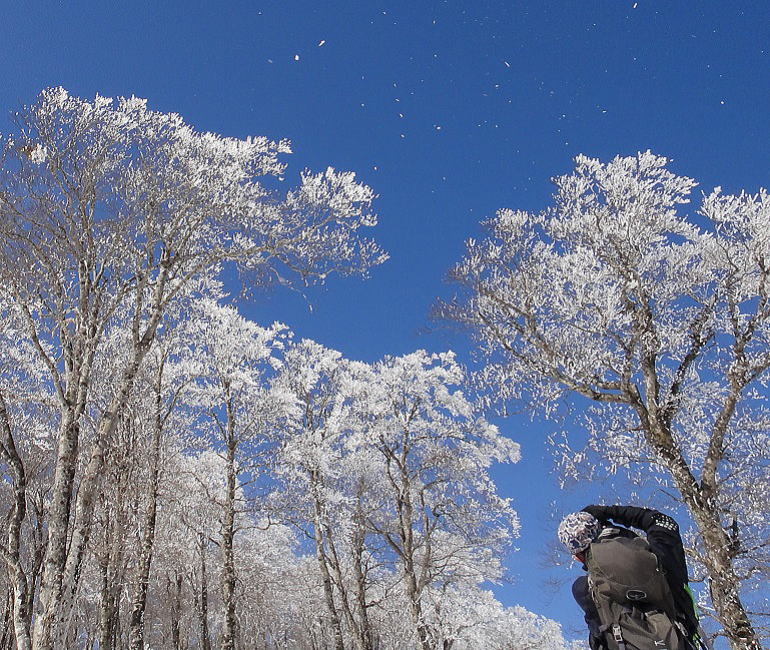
(664, 540)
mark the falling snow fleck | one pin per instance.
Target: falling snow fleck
(296, 57)
(321, 43)
(507, 65)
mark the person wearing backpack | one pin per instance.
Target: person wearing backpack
(636, 593)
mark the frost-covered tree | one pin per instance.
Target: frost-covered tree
(233, 356)
(315, 388)
(387, 467)
(441, 515)
(109, 210)
(156, 408)
(656, 325)
(189, 522)
(142, 421)
(467, 617)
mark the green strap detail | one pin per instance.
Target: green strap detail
(692, 598)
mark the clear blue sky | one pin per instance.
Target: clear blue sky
(449, 110)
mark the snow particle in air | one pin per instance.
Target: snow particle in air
(321, 43)
(296, 57)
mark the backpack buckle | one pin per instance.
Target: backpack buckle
(617, 634)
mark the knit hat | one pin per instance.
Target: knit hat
(578, 530)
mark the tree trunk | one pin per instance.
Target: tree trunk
(228, 534)
(333, 560)
(37, 550)
(21, 616)
(415, 606)
(106, 609)
(201, 599)
(62, 564)
(725, 585)
(339, 643)
(7, 621)
(176, 609)
(6, 638)
(413, 590)
(139, 601)
(366, 633)
(20, 603)
(58, 523)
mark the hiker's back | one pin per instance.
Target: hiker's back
(632, 595)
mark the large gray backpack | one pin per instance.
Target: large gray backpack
(632, 595)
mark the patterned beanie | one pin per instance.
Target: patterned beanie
(578, 530)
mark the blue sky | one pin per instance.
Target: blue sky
(450, 110)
